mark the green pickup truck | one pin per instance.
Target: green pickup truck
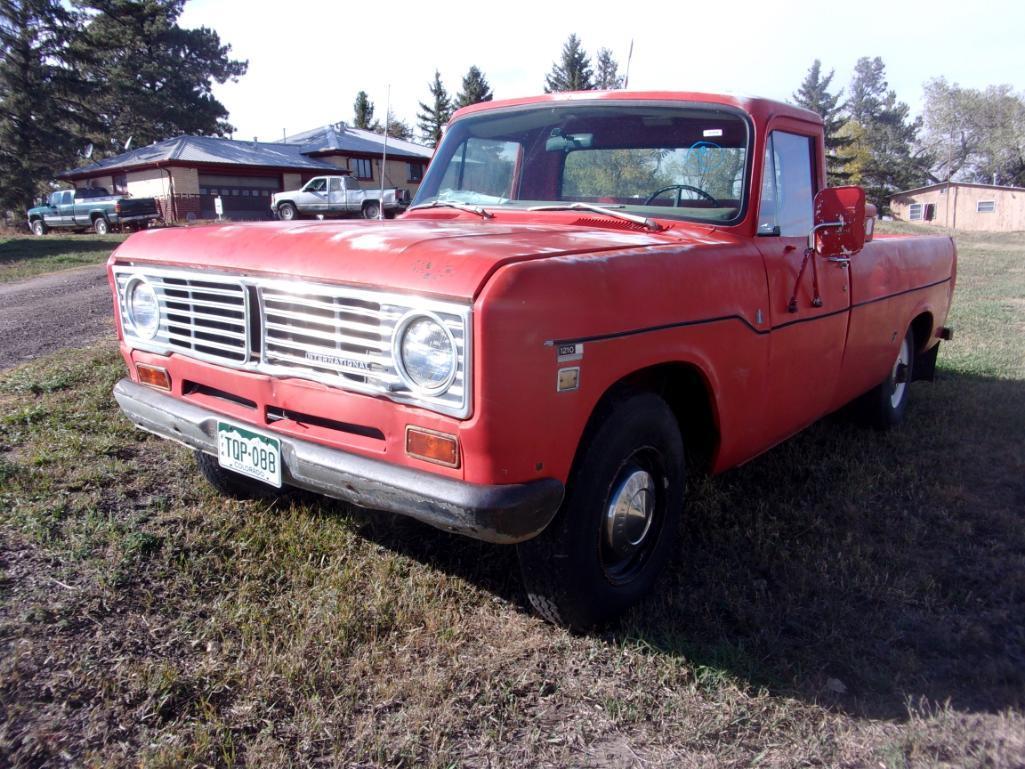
(91, 208)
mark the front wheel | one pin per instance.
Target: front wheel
(101, 226)
(619, 522)
(885, 405)
(371, 210)
(39, 227)
(288, 212)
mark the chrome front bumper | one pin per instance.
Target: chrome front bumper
(505, 513)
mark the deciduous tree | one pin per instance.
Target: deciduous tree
(975, 135)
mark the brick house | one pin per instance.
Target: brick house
(185, 174)
(963, 206)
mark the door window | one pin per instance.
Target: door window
(316, 185)
(788, 188)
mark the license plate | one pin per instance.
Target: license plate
(249, 453)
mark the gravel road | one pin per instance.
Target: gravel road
(53, 312)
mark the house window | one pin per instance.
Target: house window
(120, 184)
(416, 172)
(915, 211)
(362, 168)
(986, 206)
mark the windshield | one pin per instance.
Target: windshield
(669, 161)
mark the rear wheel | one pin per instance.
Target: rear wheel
(232, 484)
(619, 522)
(101, 226)
(885, 405)
(39, 227)
(371, 210)
(287, 212)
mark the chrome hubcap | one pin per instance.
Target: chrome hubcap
(629, 515)
(899, 375)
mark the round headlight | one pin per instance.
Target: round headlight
(426, 353)
(143, 309)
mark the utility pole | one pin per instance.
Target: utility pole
(384, 154)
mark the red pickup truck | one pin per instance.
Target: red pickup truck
(592, 296)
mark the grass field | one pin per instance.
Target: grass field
(849, 599)
(22, 256)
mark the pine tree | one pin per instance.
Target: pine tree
(150, 77)
(398, 129)
(606, 72)
(475, 89)
(891, 162)
(363, 110)
(814, 95)
(41, 118)
(432, 118)
(573, 70)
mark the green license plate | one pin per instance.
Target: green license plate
(248, 453)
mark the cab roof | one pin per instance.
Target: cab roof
(758, 108)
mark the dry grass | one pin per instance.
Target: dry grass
(22, 256)
(850, 599)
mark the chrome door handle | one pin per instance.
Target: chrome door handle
(839, 261)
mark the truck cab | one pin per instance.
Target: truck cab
(337, 195)
(592, 297)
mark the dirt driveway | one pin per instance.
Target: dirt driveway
(53, 312)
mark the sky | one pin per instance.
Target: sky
(309, 58)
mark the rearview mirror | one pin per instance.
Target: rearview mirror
(839, 221)
(560, 142)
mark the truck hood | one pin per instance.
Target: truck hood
(442, 258)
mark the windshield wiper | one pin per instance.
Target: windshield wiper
(451, 204)
(648, 224)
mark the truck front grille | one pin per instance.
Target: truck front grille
(206, 317)
(336, 335)
(325, 332)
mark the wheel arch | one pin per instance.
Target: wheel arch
(686, 388)
(922, 327)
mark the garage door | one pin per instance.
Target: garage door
(244, 197)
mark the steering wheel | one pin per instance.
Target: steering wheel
(679, 188)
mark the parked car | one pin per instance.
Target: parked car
(91, 208)
(331, 196)
(591, 297)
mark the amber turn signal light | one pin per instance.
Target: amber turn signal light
(433, 447)
(154, 376)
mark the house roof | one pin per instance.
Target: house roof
(206, 149)
(940, 185)
(342, 138)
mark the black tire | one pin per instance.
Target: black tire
(573, 574)
(39, 227)
(371, 210)
(287, 212)
(232, 484)
(101, 226)
(885, 405)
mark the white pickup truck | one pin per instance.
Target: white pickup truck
(337, 196)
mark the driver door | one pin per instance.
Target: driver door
(313, 197)
(808, 335)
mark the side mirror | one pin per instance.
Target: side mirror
(839, 222)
